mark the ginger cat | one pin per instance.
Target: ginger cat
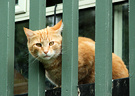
(46, 46)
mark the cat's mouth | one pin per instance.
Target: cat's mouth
(46, 56)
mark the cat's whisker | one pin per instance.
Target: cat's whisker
(64, 51)
(35, 59)
(32, 63)
(27, 54)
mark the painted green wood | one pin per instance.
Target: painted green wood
(36, 85)
(7, 24)
(132, 46)
(70, 48)
(103, 53)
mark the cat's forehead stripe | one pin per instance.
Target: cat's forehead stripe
(46, 31)
(47, 34)
(43, 33)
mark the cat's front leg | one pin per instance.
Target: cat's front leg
(57, 87)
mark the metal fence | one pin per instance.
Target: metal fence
(103, 84)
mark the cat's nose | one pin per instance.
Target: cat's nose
(45, 52)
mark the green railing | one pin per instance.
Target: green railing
(131, 47)
(103, 78)
(36, 72)
(7, 20)
(103, 48)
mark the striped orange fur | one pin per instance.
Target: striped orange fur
(46, 46)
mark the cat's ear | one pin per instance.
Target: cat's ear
(29, 33)
(58, 27)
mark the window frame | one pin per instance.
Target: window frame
(22, 9)
(118, 30)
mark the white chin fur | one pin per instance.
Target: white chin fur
(49, 56)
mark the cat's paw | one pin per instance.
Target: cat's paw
(57, 87)
(79, 93)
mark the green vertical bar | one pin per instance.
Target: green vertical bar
(36, 85)
(7, 24)
(70, 48)
(103, 53)
(132, 47)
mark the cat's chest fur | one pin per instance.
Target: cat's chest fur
(53, 71)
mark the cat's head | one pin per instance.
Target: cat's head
(45, 44)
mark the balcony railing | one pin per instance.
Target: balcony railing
(103, 75)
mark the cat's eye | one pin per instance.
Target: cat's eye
(39, 44)
(51, 43)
